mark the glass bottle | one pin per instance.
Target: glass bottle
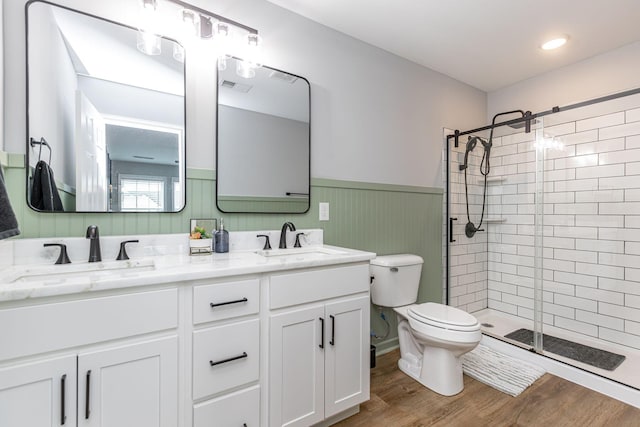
(221, 244)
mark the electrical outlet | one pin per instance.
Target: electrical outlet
(324, 211)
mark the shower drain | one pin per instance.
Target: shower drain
(486, 325)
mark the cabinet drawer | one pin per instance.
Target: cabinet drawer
(228, 300)
(55, 326)
(232, 410)
(316, 285)
(225, 356)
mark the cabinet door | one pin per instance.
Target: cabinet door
(133, 385)
(39, 394)
(347, 354)
(296, 367)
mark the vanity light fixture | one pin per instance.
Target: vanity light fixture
(228, 37)
(147, 40)
(555, 43)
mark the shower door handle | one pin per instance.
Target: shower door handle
(451, 239)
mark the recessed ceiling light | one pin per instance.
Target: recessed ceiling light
(554, 43)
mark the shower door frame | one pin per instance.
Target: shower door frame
(539, 203)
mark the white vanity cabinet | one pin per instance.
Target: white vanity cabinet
(71, 377)
(318, 344)
(235, 340)
(39, 394)
(131, 385)
(226, 354)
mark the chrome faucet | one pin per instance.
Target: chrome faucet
(283, 234)
(94, 238)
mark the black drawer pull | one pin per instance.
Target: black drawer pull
(321, 333)
(63, 392)
(213, 305)
(231, 359)
(87, 398)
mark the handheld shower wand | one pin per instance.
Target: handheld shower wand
(470, 228)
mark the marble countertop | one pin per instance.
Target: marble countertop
(20, 282)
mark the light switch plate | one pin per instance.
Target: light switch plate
(324, 211)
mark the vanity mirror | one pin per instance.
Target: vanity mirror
(107, 119)
(263, 144)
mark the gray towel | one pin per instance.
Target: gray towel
(8, 222)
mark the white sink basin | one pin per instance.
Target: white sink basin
(57, 274)
(310, 250)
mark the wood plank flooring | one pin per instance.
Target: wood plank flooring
(399, 401)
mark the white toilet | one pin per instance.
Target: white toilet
(432, 336)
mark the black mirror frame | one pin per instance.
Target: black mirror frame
(29, 138)
(217, 146)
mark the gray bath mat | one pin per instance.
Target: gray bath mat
(502, 372)
(582, 353)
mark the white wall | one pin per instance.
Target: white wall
(374, 116)
(608, 73)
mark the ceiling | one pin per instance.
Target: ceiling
(488, 44)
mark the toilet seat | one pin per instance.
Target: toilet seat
(443, 316)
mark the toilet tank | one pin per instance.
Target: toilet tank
(395, 279)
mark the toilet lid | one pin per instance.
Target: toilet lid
(442, 314)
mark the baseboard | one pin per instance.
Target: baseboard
(384, 347)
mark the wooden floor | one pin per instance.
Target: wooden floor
(399, 401)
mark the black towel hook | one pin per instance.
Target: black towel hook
(42, 142)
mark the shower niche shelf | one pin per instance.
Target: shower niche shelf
(496, 179)
(495, 220)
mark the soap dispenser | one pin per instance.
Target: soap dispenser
(221, 244)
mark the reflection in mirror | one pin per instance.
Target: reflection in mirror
(112, 117)
(262, 161)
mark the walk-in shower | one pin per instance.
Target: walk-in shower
(553, 264)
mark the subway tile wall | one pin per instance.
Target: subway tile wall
(591, 243)
(467, 256)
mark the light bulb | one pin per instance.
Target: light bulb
(149, 43)
(178, 52)
(188, 26)
(245, 69)
(223, 38)
(252, 50)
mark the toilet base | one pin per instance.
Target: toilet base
(446, 379)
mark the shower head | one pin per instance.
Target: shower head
(471, 144)
(521, 124)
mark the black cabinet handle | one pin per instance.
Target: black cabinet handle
(63, 392)
(231, 359)
(451, 239)
(87, 398)
(218, 304)
(321, 333)
(333, 330)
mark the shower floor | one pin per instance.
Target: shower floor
(503, 323)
